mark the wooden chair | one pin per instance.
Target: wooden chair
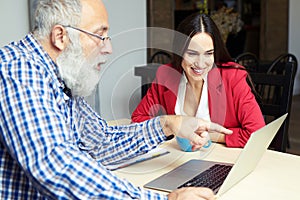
(272, 109)
(278, 65)
(248, 60)
(160, 57)
(157, 59)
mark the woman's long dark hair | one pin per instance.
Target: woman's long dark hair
(202, 23)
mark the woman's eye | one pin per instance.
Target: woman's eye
(209, 53)
(192, 53)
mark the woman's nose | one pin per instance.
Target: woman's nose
(198, 61)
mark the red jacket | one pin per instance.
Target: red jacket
(231, 102)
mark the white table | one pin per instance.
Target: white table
(275, 177)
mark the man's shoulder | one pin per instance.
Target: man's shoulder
(26, 53)
(15, 51)
(17, 59)
(10, 52)
(26, 62)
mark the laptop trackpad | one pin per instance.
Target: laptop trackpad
(171, 180)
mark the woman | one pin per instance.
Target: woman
(203, 81)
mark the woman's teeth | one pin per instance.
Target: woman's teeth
(198, 71)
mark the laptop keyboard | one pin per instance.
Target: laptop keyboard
(211, 178)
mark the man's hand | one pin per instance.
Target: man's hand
(192, 193)
(191, 128)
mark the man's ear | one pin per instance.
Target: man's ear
(59, 37)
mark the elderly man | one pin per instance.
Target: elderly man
(53, 145)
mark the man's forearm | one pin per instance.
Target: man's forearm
(170, 124)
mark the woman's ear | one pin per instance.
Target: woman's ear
(59, 37)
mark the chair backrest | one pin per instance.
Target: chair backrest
(278, 65)
(282, 85)
(248, 60)
(157, 59)
(160, 57)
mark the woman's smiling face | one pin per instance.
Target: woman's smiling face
(198, 59)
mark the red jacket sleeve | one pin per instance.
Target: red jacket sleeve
(243, 115)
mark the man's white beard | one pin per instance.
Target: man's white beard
(79, 72)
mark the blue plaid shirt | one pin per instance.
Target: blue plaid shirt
(56, 147)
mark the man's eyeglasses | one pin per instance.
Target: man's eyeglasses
(89, 33)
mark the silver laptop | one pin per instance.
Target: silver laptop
(244, 165)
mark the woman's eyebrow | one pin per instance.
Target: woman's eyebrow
(191, 50)
(194, 51)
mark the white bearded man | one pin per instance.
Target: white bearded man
(52, 144)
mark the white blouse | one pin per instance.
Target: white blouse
(202, 111)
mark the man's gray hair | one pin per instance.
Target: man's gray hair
(49, 13)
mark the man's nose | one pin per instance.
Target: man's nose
(107, 47)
